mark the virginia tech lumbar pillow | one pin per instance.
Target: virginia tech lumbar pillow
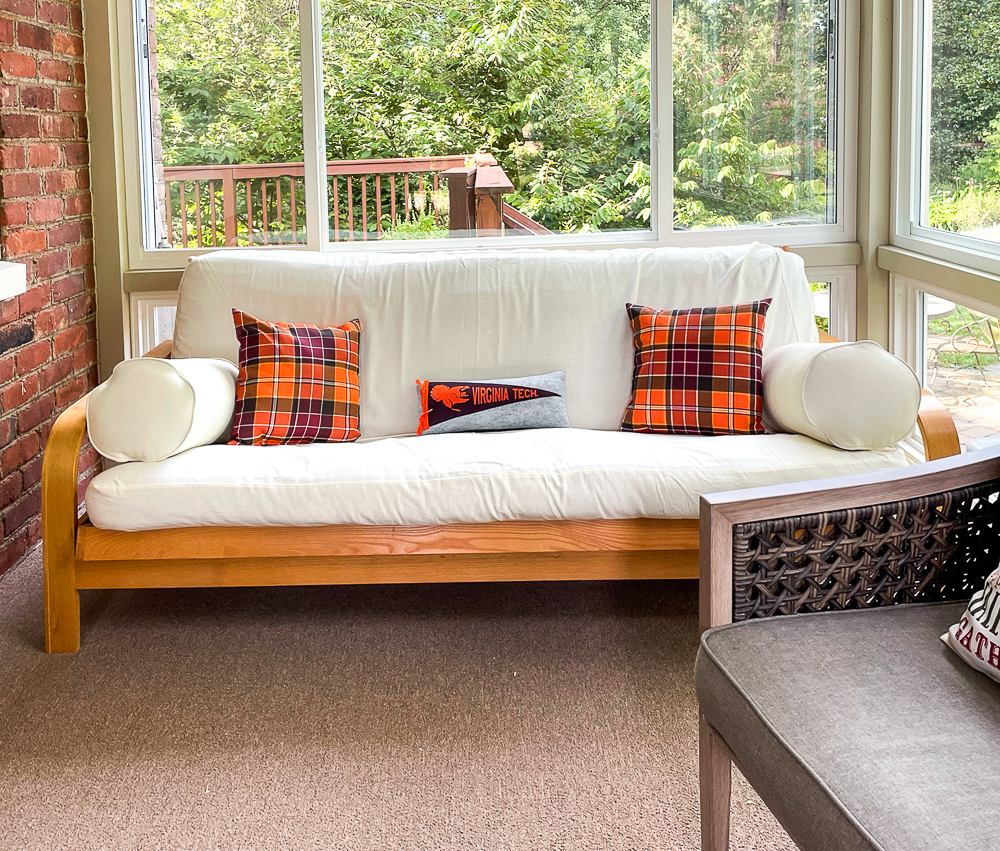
(533, 401)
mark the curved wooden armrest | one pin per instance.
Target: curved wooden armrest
(937, 428)
(60, 518)
(163, 350)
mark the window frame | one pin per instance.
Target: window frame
(911, 111)
(661, 232)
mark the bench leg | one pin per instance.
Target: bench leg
(716, 777)
(62, 600)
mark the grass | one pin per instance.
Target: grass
(975, 347)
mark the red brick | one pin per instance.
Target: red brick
(14, 214)
(77, 153)
(72, 100)
(65, 233)
(69, 44)
(70, 392)
(80, 73)
(54, 13)
(24, 242)
(55, 373)
(68, 287)
(6, 370)
(38, 97)
(17, 65)
(18, 126)
(82, 123)
(78, 205)
(35, 299)
(79, 307)
(31, 357)
(70, 339)
(18, 392)
(6, 31)
(56, 69)
(12, 157)
(51, 320)
(8, 94)
(59, 181)
(33, 37)
(10, 489)
(51, 264)
(7, 431)
(20, 184)
(82, 178)
(13, 550)
(85, 358)
(89, 457)
(32, 471)
(24, 8)
(43, 155)
(34, 532)
(82, 255)
(46, 209)
(27, 507)
(9, 311)
(36, 412)
(57, 127)
(76, 18)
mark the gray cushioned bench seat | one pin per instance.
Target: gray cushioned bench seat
(860, 729)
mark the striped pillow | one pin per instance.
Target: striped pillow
(976, 637)
(697, 371)
(297, 383)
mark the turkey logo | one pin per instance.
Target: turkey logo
(449, 396)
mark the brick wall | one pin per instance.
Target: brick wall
(48, 349)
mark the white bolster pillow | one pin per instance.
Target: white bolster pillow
(153, 408)
(850, 395)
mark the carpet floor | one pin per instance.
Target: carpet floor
(530, 716)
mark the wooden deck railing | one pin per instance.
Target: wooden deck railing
(264, 205)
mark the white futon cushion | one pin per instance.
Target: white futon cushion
(150, 409)
(543, 474)
(483, 314)
(850, 395)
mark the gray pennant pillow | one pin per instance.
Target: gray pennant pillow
(501, 404)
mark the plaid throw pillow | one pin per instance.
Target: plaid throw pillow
(697, 371)
(297, 383)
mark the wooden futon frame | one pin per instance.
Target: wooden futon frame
(78, 555)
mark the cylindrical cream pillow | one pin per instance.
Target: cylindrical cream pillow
(151, 408)
(850, 395)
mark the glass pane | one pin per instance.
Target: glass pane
(962, 186)
(753, 122)
(474, 117)
(821, 299)
(224, 123)
(962, 365)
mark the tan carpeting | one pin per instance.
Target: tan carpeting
(533, 716)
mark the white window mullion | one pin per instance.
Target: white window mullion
(313, 124)
(661, 125)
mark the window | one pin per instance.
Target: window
(754, 119)
(327, 122)
(962, 364)
(949, 111)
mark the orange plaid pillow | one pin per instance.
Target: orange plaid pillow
(697, 371)
(297, 383)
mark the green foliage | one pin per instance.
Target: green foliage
(557, 91)
(965, 84)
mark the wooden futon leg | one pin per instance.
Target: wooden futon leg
(59, 524)
(716, 775)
